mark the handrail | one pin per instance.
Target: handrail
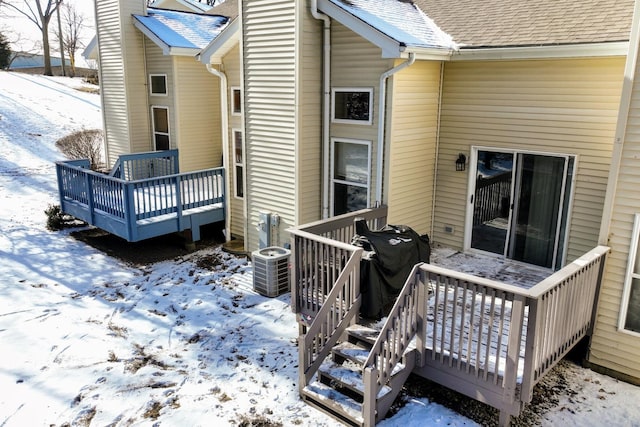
(341, 306)
(405, 320)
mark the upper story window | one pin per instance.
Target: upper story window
(158, 84)
(630, 310)
(352, 105)
(236, 101)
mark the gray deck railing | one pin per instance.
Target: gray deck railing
(486, 339)
(117, 205)
(326, 285)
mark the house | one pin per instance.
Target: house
(495, 127)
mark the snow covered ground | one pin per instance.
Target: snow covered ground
(87, 340)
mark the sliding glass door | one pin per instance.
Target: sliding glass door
(520, 204)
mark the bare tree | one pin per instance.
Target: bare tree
(40, 15)
(72, 25)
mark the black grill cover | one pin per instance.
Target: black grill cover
(396, 250)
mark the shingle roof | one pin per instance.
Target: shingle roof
(502, 23)
(181, 29)
(228, 8)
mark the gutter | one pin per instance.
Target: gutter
(381, 122)
(621, 126)
(326, 102)
(225, 142)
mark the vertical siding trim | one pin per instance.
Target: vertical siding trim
(621, 126)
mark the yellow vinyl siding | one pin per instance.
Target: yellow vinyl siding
(611, 348)
(553, 106)
(122, 78)
(231, 63)
(412, 135)
(309, 172)
(196, 115)
(356, 63)
(269, 34)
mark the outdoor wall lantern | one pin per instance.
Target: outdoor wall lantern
(461, 162)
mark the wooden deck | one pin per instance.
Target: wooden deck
(489, 340)
(143, 197)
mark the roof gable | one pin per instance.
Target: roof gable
(180, 33)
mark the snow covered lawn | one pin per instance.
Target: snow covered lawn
(87, 340)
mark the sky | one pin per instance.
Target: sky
(27, 36)
(88, 340)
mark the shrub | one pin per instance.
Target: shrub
(83, 144)
(58, 220)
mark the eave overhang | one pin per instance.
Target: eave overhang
(221, 45)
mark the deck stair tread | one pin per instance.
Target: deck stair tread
(324, 395)
(347, 375)
(363, 334)
(353, 352)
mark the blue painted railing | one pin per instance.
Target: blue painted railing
(142, 208)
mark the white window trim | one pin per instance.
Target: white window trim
(233, 104)
(351, 89)
(166, 86)
(153, 126)
(236, 164)
(629, 276)
(342, 181)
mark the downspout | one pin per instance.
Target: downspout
(326, 102)
(225, 143)
(437, 153)
(621, 126)
(381, 122)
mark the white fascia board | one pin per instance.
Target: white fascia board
(221, 45)
(587, 50)
(183, 51)
(428, 54)
(390, 47)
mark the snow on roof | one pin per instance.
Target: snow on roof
(399, 20)
(180, 32)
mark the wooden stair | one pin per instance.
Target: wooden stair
(338, 388)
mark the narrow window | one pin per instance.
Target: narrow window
(350, 175)
(236, 101)
(630, 312)
(160, 116)
(352, 105)
(238, 160)
(158, 84)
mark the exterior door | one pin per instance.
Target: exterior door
(520, 205)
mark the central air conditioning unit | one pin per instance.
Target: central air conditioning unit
(271, 271)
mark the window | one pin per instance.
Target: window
(630, 310)
(160, 118)
(236, 101)
(350, 175)
(158, 84)
(352, 105)
(238, 160)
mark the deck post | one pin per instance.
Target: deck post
(370, 376)
(89, 189)
(421, 336)
(130, 212)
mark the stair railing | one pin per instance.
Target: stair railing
(405, 321)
